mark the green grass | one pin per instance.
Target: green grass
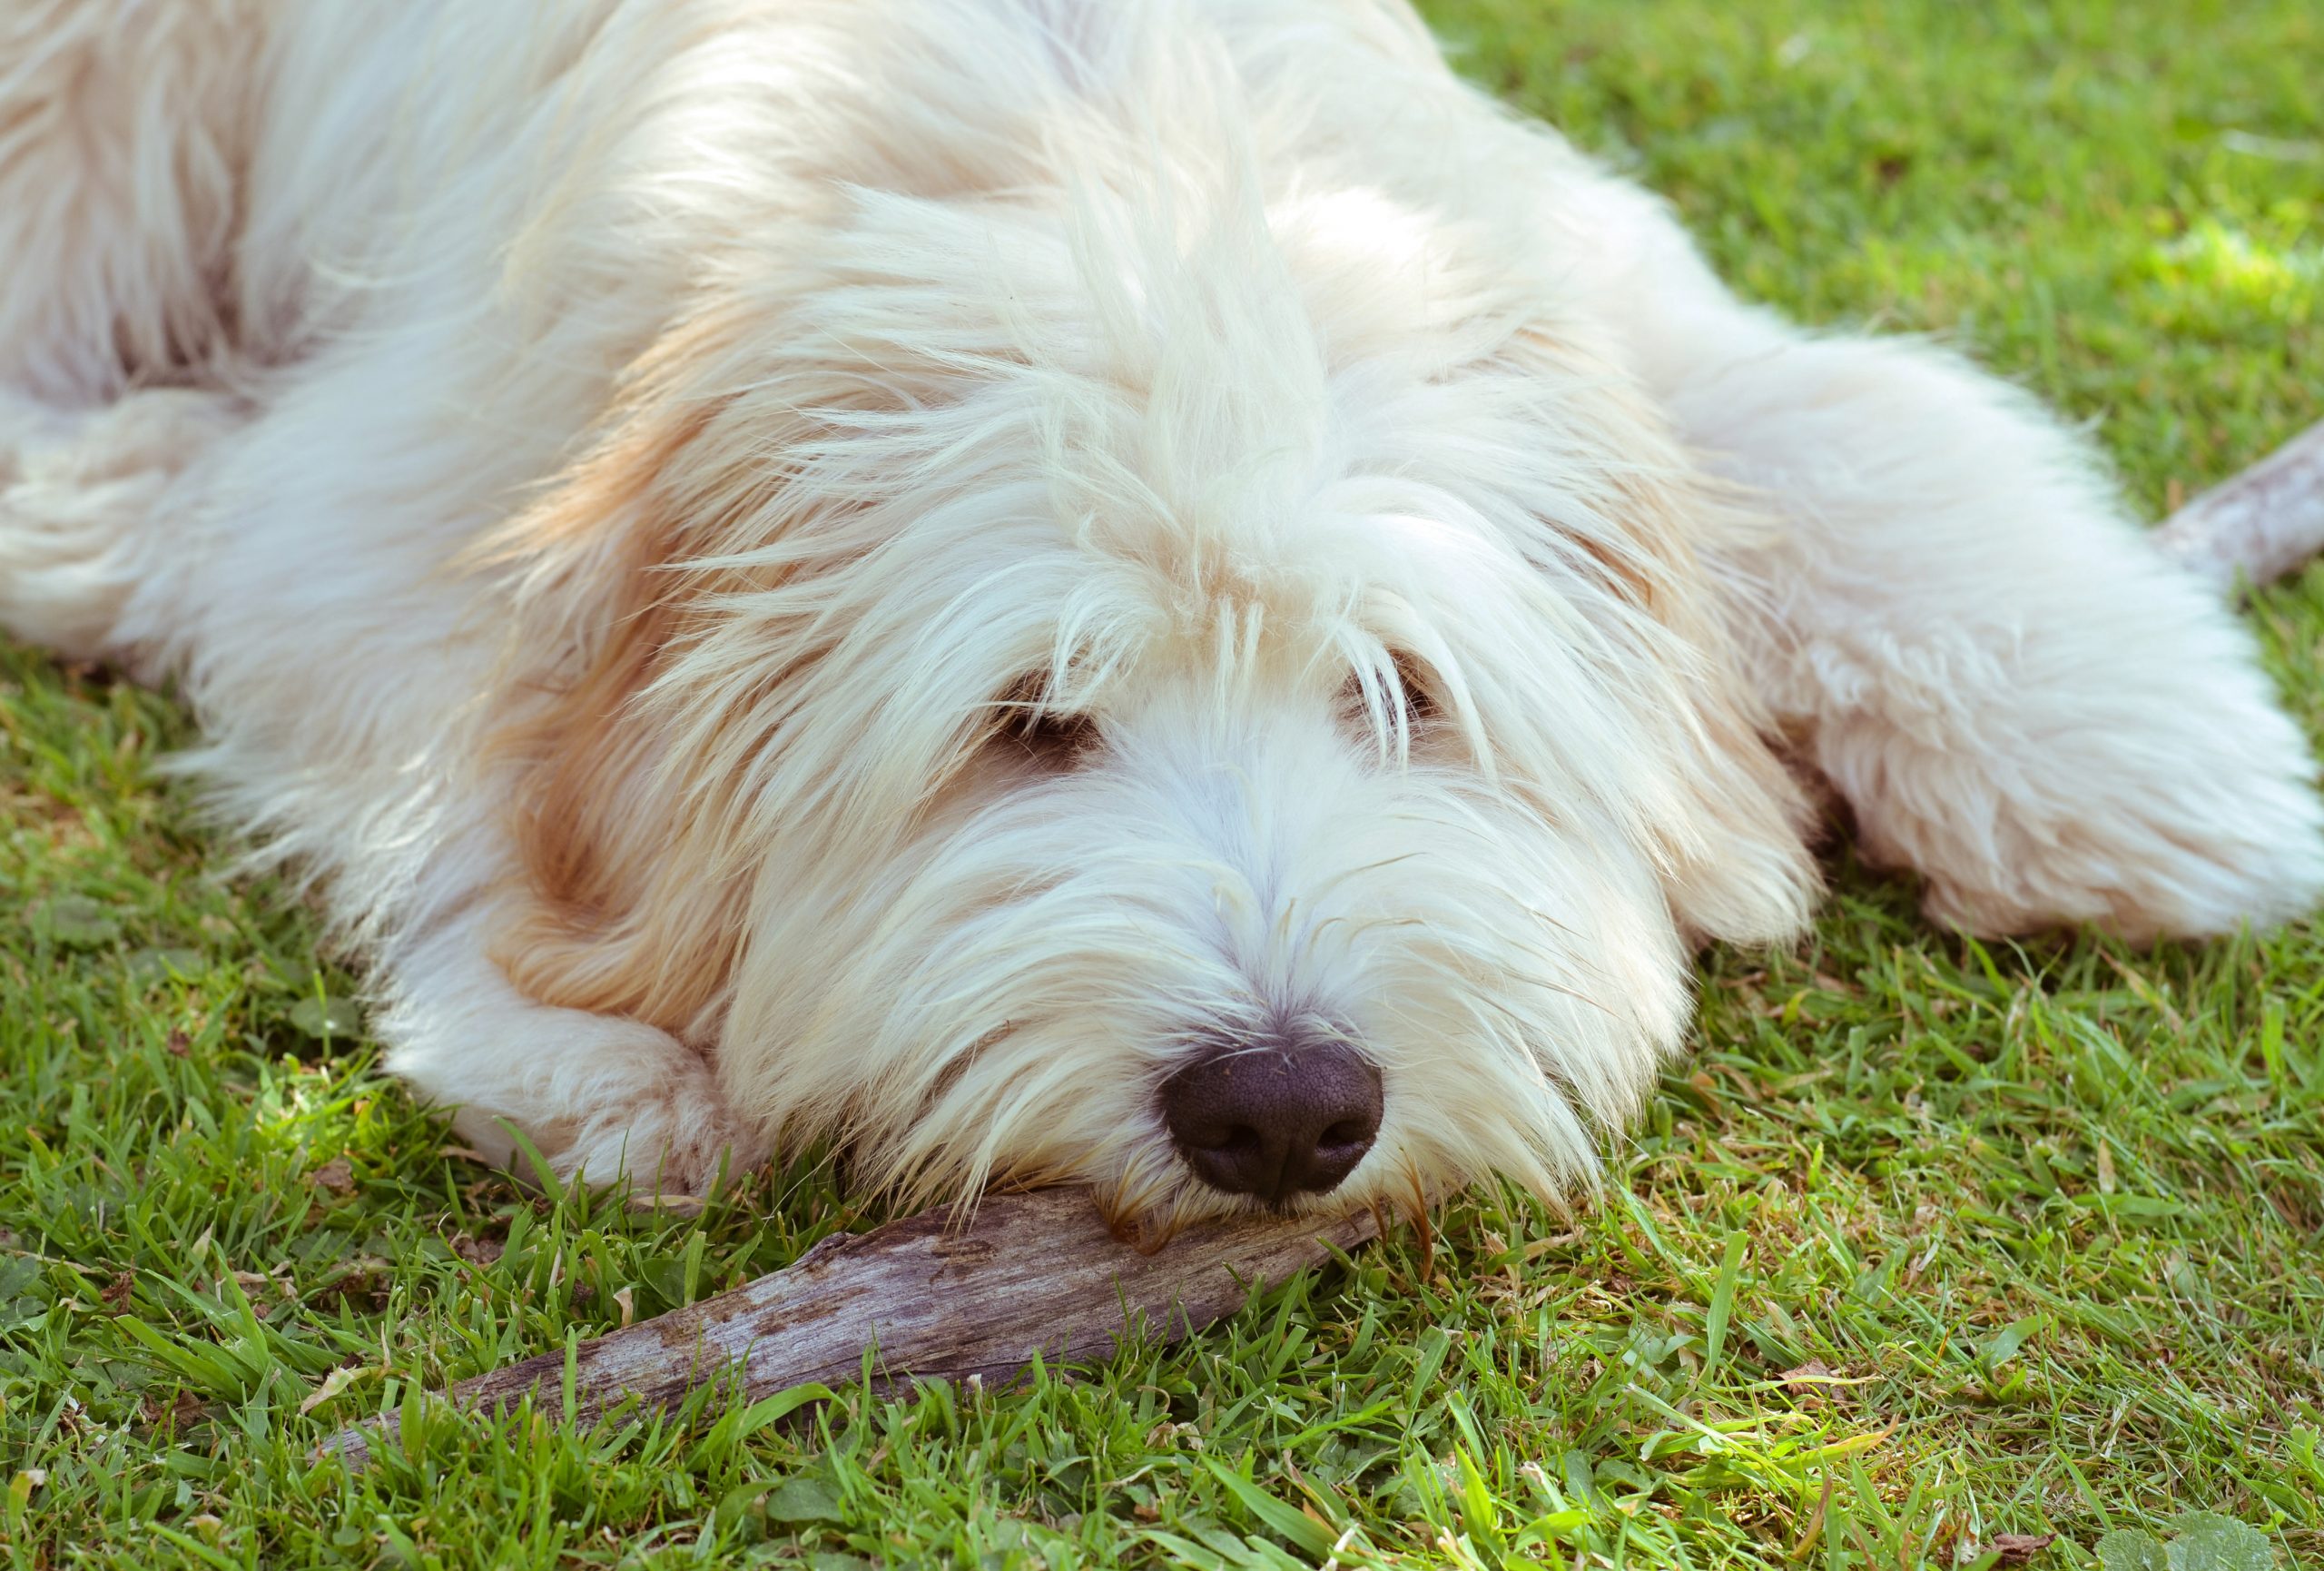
(2051, 1216)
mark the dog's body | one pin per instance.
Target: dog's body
(930, 572)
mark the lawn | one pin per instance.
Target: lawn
(1928, 1244)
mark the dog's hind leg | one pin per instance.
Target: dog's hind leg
(122, 131)
(85, 501)
(123, 135)
(2016, 693)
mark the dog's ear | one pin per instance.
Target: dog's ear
(1644, 556)
(1736, 866)
(616, 905)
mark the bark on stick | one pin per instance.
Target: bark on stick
(2265, 523)
(1031, 1273)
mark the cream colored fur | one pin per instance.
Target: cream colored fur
(872, 570)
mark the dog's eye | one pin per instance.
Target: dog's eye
(1420, 706)
(1060, 740)
(1051, 738)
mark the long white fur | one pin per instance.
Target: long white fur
(829, 378)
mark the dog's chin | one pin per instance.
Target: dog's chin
(1147, 1206)
(1147, 1196)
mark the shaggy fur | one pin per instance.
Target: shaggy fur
(887, 570)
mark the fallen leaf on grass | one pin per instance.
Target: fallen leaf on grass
(2017, 1548)
(336, 1175)
(365, 1276)
(478, 1252)
(180, 1412)
(335, 1382)
(253, 1282)
(1540, 1247)
(1815, 1380)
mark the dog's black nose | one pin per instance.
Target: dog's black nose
(1274, 1119)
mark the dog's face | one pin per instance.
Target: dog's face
(1216, 699)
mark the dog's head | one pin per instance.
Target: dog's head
(1143, 674)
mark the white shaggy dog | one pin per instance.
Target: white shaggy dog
(1150, 592)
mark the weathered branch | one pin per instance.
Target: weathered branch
(2262, 525)
(1032, 1273)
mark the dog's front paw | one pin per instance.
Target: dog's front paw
(671, 1142)
(599, 1098)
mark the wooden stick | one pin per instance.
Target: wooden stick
(1031, 1273)
(2265, 523)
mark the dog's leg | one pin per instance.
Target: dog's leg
(597, 1095)
(2016, 693)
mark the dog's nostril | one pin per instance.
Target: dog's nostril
(1237, 1142)
(1275, 1120)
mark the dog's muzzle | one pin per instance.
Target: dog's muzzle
(1274, 1119)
